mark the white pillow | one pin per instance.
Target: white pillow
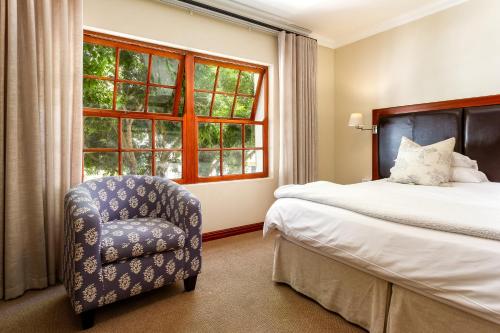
(463, 161)
(427, 165)
(467, 175)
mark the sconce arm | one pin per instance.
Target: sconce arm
(372, 128)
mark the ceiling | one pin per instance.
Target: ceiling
(337, 22)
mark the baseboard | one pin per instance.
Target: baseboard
(218, 234)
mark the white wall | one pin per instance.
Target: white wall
(449, 55)
(225, 204)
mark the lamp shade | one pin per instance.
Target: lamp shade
(356, 119)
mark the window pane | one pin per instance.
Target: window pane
(136, 163)
(164, 70)
(202, 103)
(254, 161)
(130, 97)
(243, 108)
(100, 132)
(253, 136)
(180, 112)
(231, 135)
(231, 162)
(208, 163)
(227, 80)
(97, 94)
(133, 66)
(136, 133)
(100, 164)
(248, 83)
(222, 106)
(168, 134)
(259, 112)
(208, 135)
(204, 76)
(161, 100)
(98, 60)
(169, 164)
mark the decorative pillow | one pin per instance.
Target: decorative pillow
(463, 161)
(427, 165)
(467, 175)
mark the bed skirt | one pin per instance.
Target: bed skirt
(363, 299)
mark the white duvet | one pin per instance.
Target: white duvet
(417, 250)
(472, 211)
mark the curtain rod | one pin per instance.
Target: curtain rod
(233, 17)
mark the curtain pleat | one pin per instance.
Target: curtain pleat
(298, 109)
(41, 127)
(3, 69)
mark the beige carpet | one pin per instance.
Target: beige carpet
(234, 294)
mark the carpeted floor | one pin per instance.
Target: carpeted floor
(234, 294)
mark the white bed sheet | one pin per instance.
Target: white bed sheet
(456, 269)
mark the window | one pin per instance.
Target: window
(153, 110)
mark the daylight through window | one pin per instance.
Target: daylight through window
(152, 110)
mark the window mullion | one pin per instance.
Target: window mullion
(221, 149)
(146, 98)
(119, 145)
(189, 133)
(153, 147)
(266, 124)
(115, 89)
(243, 126)
(146, 103)
(115, 84)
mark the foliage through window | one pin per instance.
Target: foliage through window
(152, 110)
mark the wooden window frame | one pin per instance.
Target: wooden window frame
(189, 120)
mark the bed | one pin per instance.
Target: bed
(432, 268)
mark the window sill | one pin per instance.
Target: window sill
(236, 181)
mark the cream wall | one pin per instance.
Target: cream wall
(225, 204)
(449, 55)
(326, 116)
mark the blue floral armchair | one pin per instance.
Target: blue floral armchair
(127, 235)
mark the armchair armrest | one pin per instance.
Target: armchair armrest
(183, 209)
(82, 258)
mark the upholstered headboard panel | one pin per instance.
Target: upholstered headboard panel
(424, 128)
(482, 138)
(474, 122)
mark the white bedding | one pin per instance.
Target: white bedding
(458, 269)
(468, 210)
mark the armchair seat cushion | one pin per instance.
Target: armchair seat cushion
(124, 239)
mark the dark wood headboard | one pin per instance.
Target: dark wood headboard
(474, 122)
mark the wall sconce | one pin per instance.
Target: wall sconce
(356, 121)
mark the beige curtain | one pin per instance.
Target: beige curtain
(41, 131)
(298, 119)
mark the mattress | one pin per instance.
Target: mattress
(456, 269)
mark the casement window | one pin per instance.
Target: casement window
(153, 110)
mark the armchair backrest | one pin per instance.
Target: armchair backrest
(126, 197)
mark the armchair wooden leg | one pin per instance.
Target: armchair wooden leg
(190, 283)
(88, 319)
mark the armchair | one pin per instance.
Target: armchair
(127, 235)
